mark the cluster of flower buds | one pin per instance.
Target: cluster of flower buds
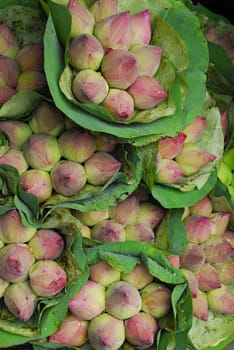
(226, 170)
(207, 261)
(112, 60)
(20, 67)
(28, 265)
(53, 155)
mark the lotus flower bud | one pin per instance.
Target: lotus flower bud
(37, 182)
(6, 92)
(224, 174)
(104, 273)
(91, 217)
(101, 335)
(168, 171)
(217, 249)
(125, 69)
(123, 300)
(192, 281)
(169, 147)
(31, 80)
(101, 167)
(148, 58)
(150, 214)
(202, 207)
(219, 222)
(200, 306)
(174, 260)
(229, 237)
(108, 231)
(31, 57)
(156, 299)
(82, 20)
(15, 158)
(221, 300)
(71, 332)
(85, 231)
(46, 244)
(125, 212)
(47, 278)
(3, 286)
(104, 8)
(192, 158)
(193, 257)
(208, 277)
(224, 123)
(119, 104)
(228, 158)
(106, 143)
(198, 228)
(194, 129)
(15, 262)
(20, 300)
(89, 302)
(8, 41)
(89, 86)
(12, 229)
(114, 32)
(226, 271)
(9, 71)
(42, 151)
(139, 232)
(139, 21)
(17, 131)
(139, 277)
(68, 177)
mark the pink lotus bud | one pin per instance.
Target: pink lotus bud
(229, 237)
(125, 69)
(46, 244)
(20, 300)
(169, 147)
(15, 158)
(192, 281)
(200, 306)
(89, 86)
(31, 57)
(47, 278)
(104, 8)
(224, 123)
(156, 299)
(138, 22)
(150, 214)
(37, 182)
(85, 231)
(125, 212)
(198, 228)
(217, 249)
(101, 335)
(192, 158)
(141, 330)
(139, 277)
(114, 32)
(148, 58)
(174, 260)
(168, 171)
(91, 217)
(17, 131)
(9, 71)
(221, 300)
(42, 151)
(85, 52)
(3, 286)
(68, 177)
(219, 222)
(12, 229)
(202, 207)
(106, 143)
(82, 21)
(193, 257)
(101, 167)
(108, 231)
(226, 271)
(6, 92)
(89, 302)
(208, 278)
(31, 80)
(123, 300)
(71, 332)
(120, 104)
(15, 262)
(139, 232)
(104, 273)
(8, 41)
(194, 130)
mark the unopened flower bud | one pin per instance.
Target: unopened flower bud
(229, 237)
(37, 182)
(194, 129)
(8, 41)
(139, 232)
(17, 131)
(193, 257)
(139, 277)
(16, 159)
(224, 173)
(174, 260)
(202, 207)
(150, 214)
(139, 21)
(85, 231)
(31, 80)
(82, 20)
(148, 58)
(9, 71)
(104, 274)
(46, 244)
(91, 217)
(156, 299)
(208, 277)
(125, 212)
(198, 228)
(119, 103)
(104, 8)
(200, 306)
(192, 281)
(108, 231)
(168, 171)
(31, 57)
(219, 222)
(106, 143)
(217, 249)
(225, 271)
(221, 300)
(169, 147)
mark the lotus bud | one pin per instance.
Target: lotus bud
(150, 214)
(192, 158)
(85, 231)
(114, 32)
(192, 281)
(85, 52)
(221, 300)
(229, 237)
(139, 232)
(193, 257)
(17, 131)
(6, 92)
(68, 177)
(46, 244)
(224, 174)
(125, 212)
(194, 129)
(89, 302)
(141, 330)
(15, 262)
(104, 8)
(3, 286)
(198, 228)
(12, 229)
(38, 183)
(139, 277)
(156, 299)
(106, 143)
(14, 158)
(47, 278)
(119, 103)
(202, 207)
(101, 167)
(139, 21)
(174, 260)
(125, 69)
(148, 58)
(9, 71)
(31, 57)
(226, 271)
(123, 300)
(200, 306)
(108, 231)
(217, 249)
(91, 217)
(82, 20)
(101, 335)
(20, 300)
(224, 123)
(208, 277)
(42, 151)
(219, 222)
(104, 274)
(8, 41)
(31, 80)
(169, 147)
(71, 332)
(228, 158)
(89, 86)
(168, 171)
